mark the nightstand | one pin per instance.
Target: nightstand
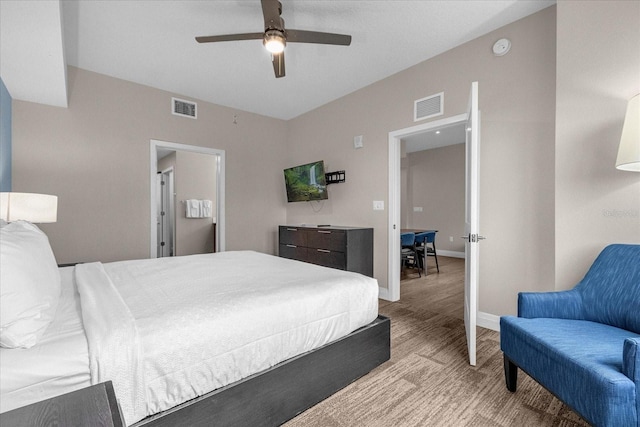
(92, 406)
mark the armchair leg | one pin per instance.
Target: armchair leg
(510, 374)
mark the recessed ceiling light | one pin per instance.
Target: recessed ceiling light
(437, 132)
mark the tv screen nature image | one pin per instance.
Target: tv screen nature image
(306, 182)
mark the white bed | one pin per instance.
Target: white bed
(59, 363)
(168, 330)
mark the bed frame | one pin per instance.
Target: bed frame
(278, 394)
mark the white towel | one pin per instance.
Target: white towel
(206, 208)
(193, 208)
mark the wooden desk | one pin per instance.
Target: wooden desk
(92, 406)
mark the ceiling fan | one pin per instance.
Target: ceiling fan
(275, 36)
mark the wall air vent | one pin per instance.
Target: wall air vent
(431, 106)
(183, 108)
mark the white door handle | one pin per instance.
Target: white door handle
(473, 238)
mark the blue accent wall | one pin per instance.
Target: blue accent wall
(5, 138)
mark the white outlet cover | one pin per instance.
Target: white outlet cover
(417, 208)
(378, 205)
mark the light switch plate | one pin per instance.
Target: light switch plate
(378, 205)
(357, 142)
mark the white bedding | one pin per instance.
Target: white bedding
(167, 330)
(58, 364)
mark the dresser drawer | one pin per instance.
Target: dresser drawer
(327, 258)
(293, 252)
(293, 236)
(332, 240)
(344, 248)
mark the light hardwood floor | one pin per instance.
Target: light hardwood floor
(441, 293)
(428, 381)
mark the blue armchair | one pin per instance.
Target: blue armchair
(583, 345)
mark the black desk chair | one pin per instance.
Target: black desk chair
(425, 245)
(408, 254)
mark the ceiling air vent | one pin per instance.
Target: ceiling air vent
(430, 106)
(183, 108)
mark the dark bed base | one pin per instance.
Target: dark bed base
(278, 394)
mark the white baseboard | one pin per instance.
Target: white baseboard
(451, 254)
(488, 321)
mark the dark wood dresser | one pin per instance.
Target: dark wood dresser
(92, 406)
(344, 248)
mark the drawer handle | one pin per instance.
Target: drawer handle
(292, 229)
(291, 246)
(324, 250)
(324, 232)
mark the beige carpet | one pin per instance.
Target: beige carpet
(428, 381)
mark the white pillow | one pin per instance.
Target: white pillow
(29, 284)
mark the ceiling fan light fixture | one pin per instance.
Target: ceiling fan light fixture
(274, 41)
(274, 38)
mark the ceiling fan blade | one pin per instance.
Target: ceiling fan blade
(275, 32)
(230, 37)
(278, 64)
(271, 10)
(301, 36)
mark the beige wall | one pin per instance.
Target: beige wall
(436, 182)
(517, 103)
(95, 156)
(598, 71)
(195, 178)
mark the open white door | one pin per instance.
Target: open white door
(472, 236)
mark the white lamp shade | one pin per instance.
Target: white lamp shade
(629, 151)
(32, 207)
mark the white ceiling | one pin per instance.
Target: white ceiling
(152, 43)
(436, 137)
(32, 62)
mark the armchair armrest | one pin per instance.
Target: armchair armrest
(560, 305)
(631, 359)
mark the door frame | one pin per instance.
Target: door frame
(392, 293)
(167, 176)
(154, 145)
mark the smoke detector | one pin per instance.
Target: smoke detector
(501, 47)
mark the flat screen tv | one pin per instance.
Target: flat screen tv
(306, 182)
